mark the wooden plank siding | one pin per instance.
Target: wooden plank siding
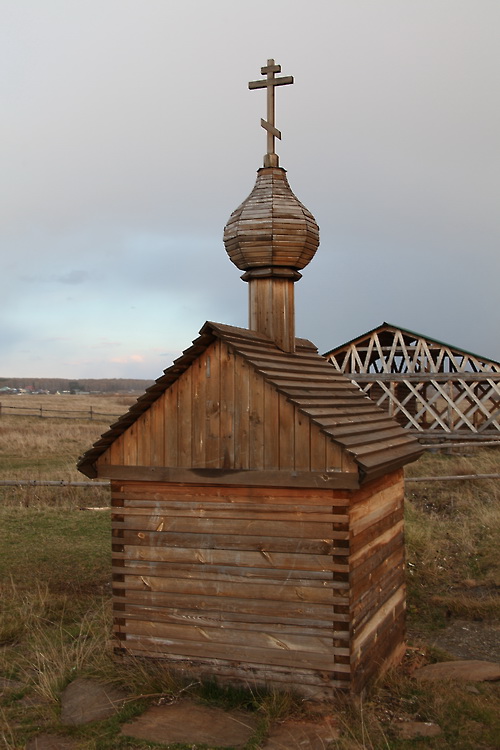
(229, 576)
(247, 583)
(376, 577)
(221, 413)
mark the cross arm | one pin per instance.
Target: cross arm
(283, 81)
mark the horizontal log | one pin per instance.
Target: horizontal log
(393, 535)
(252, 478)
(277, 592)
(236, 621)
(207, 635)
(139, 494)
(232, 574)
(258, 655)
(385, 611)
(266, 545)
(226, 511)
(317, 683)
(241, 559)
(240, 528)
(290, 609)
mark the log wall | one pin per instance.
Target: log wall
(376, 577)
(293, 587)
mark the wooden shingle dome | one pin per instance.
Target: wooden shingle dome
(271, 232)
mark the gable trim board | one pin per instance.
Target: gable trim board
(324, 423)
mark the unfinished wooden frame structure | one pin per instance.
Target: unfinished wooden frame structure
(430, 387)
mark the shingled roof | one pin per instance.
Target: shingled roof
(340, 409)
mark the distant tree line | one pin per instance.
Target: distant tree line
(92, 385)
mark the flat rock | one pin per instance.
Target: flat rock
(50, 742)
(190, 723)
(86, 700)
(301, 735)
(474, 670)
(408, 730)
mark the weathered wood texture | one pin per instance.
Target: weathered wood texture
(232, 576)
(376, 577)
(272, 310)
(235, 401)
(271, 228)
(271, 235)
(430, 387)
(219, 414)
(261, 585)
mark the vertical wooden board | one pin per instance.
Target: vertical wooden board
(302, 429)
(130, 445)
(286, 433)
(105, 458)
(144, 426)
(116, 452)
(199, 409)
(213, 458)
(241, 414)
(256, 420)
(226, 376)
(271, 430)
(334, 457)
(318, 449)
(184, 411)
(158, 433)
(169, 420)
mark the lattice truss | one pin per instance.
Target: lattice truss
(427, 385)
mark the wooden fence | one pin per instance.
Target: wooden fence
(44, 413)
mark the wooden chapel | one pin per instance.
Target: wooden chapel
(257, 494)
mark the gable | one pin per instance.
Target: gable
(234, 401)
(222, 414)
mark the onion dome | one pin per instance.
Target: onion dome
(271, 233)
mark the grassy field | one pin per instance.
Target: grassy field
(55, 597)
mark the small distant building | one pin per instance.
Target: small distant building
(257, 494)
(432, 388)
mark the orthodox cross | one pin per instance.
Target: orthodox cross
(271, 158)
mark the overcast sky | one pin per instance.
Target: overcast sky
(129, 135)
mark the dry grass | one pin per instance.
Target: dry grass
(55, 619)
(47, 448)
(453, 538)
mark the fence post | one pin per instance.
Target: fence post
(41, 412)
(91, 414)
(0, 408)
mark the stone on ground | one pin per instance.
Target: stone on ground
(190, 723)
(475, 671)
(301, 735)
(409, 730)
(84, 701)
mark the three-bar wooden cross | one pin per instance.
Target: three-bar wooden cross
(271, 158)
